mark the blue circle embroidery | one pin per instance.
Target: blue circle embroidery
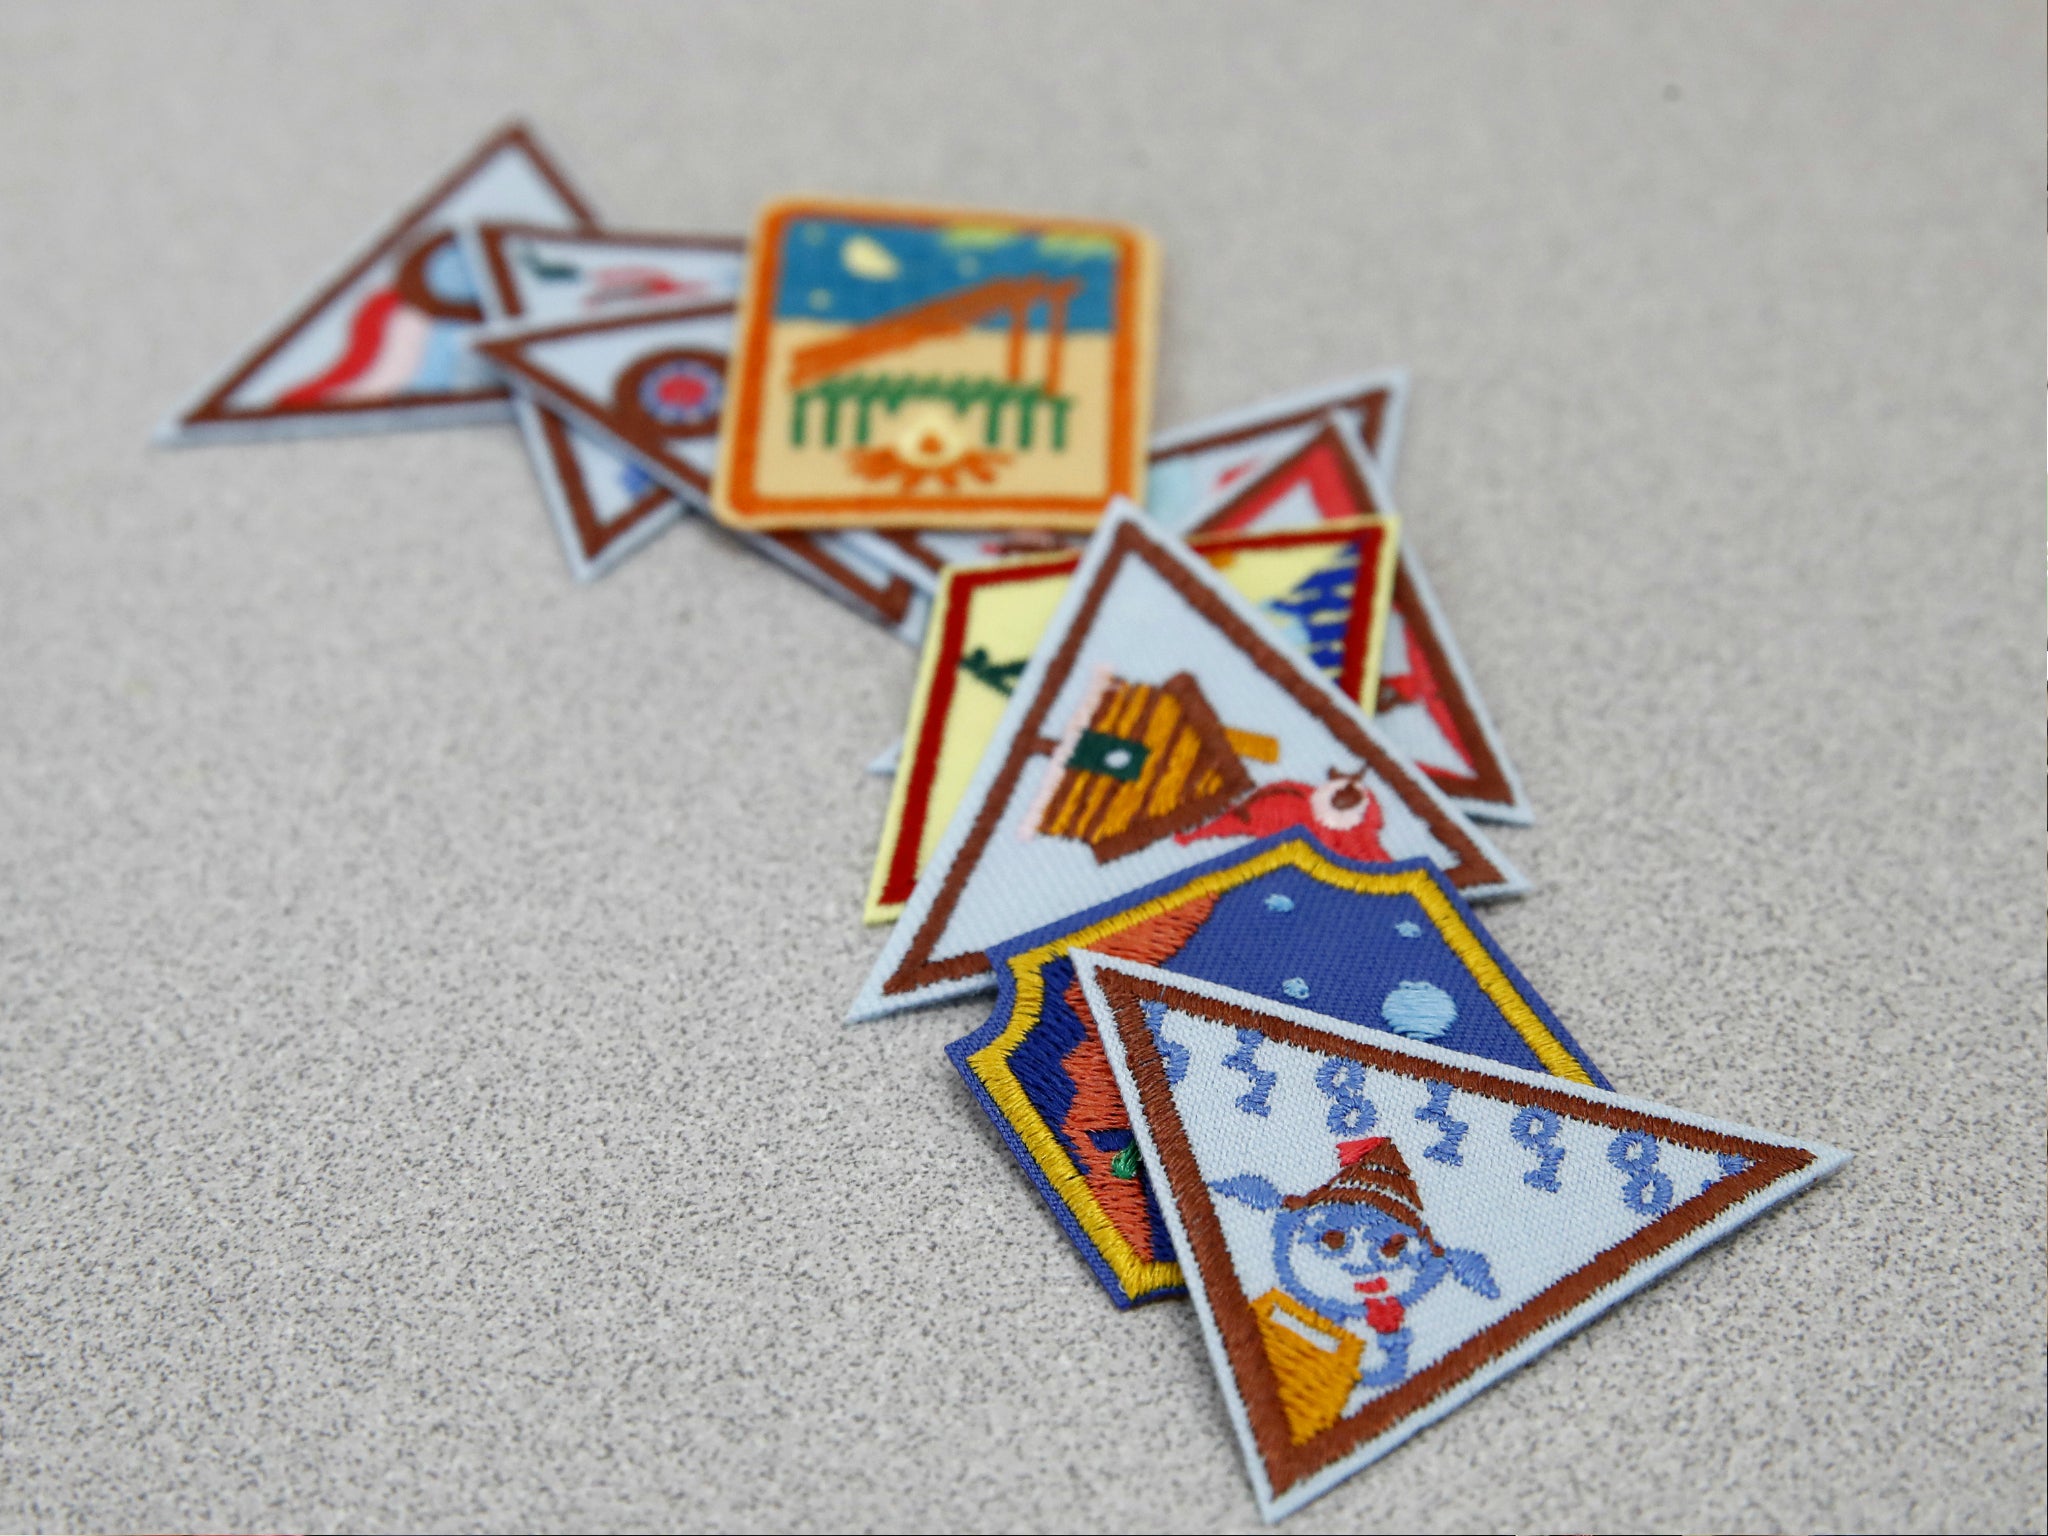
(1418, 1010)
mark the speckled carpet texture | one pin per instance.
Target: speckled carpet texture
(423, 1098)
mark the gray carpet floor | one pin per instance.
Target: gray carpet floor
(422, 1096)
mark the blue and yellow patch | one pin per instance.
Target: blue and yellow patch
(1390, 946)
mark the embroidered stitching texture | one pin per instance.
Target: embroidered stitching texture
(1289, 1461)
(1329, 465)
(596, 542)
(1026, 1063)
(212, 409)
(741, 502)
(1374, 403)
(911, 813)
(919, 966)
(510, 354)
(1443, 683)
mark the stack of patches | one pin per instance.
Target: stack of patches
(1199, 802)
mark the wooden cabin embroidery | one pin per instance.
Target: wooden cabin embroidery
(1143, 761)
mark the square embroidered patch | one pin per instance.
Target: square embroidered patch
(907, 366)
(1375, 1229)
(384, 342)
(601, 501)
(1196, 468)
(1326, 587)
(1388, 947)
(1160, 722)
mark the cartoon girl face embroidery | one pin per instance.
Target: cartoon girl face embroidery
(1345, 1259)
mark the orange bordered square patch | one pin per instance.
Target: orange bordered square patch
(903, 366)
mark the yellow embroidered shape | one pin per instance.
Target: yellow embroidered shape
(1314, 1361)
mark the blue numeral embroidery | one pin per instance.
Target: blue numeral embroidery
(1171, 1052)
(1647, 1192)
(1537, 1130)
(1240, 1060)
(1351, 1112)
(1438, 1109)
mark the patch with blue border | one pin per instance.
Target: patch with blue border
(1375, 1229)
(1390, 947)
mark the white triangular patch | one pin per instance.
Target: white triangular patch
(384, 343)
(651, 381)
(604, 506)
(1195, 468)
(1375, 1229)
(648, 385)
(1264, 740)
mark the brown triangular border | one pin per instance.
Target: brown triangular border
(211, 409)
(513, 357)
(919, 969)
(1369, 405)
(593, 536)
(511, 354)
(1287, 1463)
(888, 604)
(1326, 440)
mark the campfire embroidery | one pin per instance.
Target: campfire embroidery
(903, 366)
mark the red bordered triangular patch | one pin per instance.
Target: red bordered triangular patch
(1196, 467)
(384, 343)
(1428, 706)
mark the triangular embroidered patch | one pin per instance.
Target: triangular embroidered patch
(384, 343)
(1386, 946)
(651, 379)
(1427, 707)
(1196, 468)
(1376, 1229)
(1107, 730)
(1430, 709)
(1328, 476)
(649, 384)
(988, 619)
(602, 504)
